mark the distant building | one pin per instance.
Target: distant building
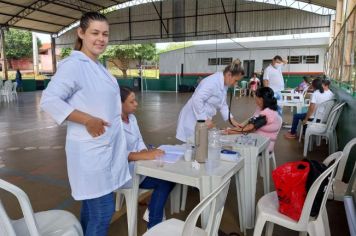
(45, 57)
(306, 57)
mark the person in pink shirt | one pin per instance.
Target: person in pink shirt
(266, 121)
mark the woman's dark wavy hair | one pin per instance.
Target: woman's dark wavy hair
(84, 25)
(318, 85)
(267, 95)
(124, 93)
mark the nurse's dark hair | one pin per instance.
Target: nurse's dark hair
(124, 93)
(84, 25)
(267, 95)
(235, 68)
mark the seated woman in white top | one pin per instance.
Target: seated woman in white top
(138, 151)
(321, 94)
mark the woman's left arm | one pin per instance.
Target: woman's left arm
(310, 112)
(238, 130)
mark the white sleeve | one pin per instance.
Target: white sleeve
(314, 98)
(199, 99)
(265, 74)
(141, 144)
(61, 87)
(224, 110)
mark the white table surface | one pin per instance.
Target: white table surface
(182, 172)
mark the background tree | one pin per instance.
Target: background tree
(121, 55)
(65, 52)
(18, 44)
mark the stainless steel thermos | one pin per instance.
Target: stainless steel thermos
(201, 141)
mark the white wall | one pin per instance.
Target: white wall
(195, 59)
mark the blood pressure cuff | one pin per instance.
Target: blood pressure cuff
(258, 121)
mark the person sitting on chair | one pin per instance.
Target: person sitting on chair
(319, 96)
(254, 84)
(137, 150)
(266, 121)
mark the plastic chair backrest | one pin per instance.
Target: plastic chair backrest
(24, 204)
(243, 84)
(5, 223)
(14, 86)
(309, 200)
(334, 118)
(346, 153)
(216, 200)
(350, 206)
(323, 110)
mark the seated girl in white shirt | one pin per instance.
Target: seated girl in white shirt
(321, 94)
(138, 151)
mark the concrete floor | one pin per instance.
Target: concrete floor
(32, 157)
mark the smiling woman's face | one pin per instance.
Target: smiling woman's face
(95, 38)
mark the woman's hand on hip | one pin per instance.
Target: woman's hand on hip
(95, 126)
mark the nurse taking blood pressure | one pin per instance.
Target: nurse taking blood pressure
(209, 97)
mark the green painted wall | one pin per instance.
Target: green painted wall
(346, 128)
(291, 81)
(165, 83)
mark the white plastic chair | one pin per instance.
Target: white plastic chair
(175, 227)
(5, 92)
(322, 113)
(267, 208)
(327, 130)
(243, 89)
(265, 170)
(126, 194)
(350, 204)
(339, 187)
(13, 94)
(289, 99)
(52, 222)
(237, 89)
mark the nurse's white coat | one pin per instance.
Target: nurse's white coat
(208, 97)
(96, 166)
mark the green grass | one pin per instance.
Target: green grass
(149, 73)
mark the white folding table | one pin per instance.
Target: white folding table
(206, 180)
(246, 179)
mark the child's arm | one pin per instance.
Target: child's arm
(145, 154)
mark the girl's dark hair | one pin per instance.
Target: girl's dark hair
(317, 85)
(124, 93)
(325, 82)
(235, 68)
(267, 95)
(84, 25)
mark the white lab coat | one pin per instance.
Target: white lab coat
(209, 96)
(134, 144)
(96, 166)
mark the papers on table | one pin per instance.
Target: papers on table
(172, 152)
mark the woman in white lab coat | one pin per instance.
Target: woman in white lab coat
(209, 96)
(87, 96)
(138, 151)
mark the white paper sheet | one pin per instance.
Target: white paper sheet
(172, 153)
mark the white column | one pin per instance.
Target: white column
(35, 53)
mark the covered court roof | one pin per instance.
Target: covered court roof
(52, 16)
(48, 16)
